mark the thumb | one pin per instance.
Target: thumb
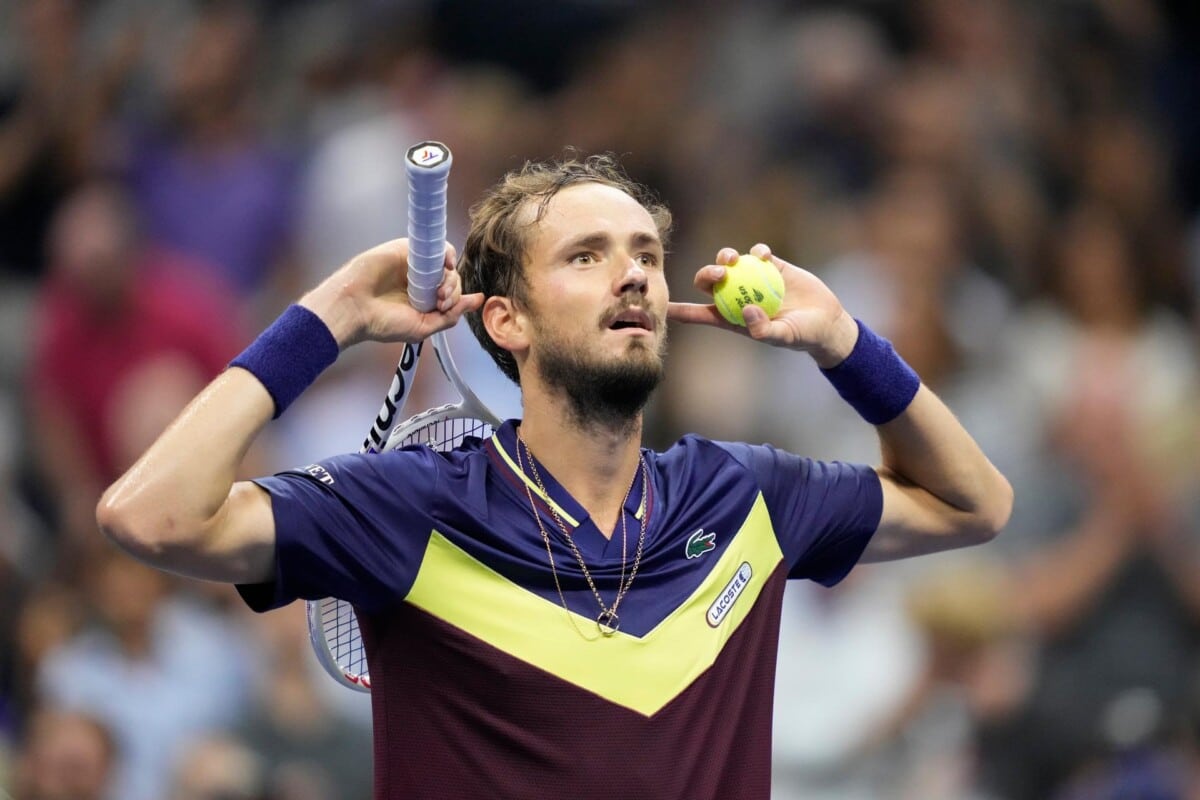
(758, 324)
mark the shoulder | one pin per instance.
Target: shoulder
(695, 456)
(415, 468)
(699, 470)
(694, 451)
(697, 459)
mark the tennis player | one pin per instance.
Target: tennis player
(556, 611)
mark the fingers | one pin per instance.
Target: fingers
(758, 325)
(450, 289)
(442, 318)
(706, 277)
(463, 304)
(698, 314)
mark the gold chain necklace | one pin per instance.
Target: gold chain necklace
(607, 621)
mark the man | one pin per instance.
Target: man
(556, 612)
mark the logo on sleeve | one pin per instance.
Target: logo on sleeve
(320, 473)
(729, 595)
(700, 543)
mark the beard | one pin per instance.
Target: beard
(607, 394)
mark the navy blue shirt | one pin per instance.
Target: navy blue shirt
(478, 671)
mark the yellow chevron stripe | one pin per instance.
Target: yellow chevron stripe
(471, 596)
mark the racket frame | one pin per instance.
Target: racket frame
(427, 168)
(345, 631)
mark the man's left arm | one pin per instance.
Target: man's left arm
(939, 490)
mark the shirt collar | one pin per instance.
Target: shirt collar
(555, 496)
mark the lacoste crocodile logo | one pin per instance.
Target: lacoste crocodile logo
(700, 543)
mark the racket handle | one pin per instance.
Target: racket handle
(427, 166)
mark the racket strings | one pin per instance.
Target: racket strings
(342, 635)
(446, 433)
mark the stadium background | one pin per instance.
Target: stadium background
(1006, 188)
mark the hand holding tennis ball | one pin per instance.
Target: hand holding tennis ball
(748, 281)
(812, 320)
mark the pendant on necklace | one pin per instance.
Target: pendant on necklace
(608, 622)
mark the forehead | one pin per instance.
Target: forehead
(587, 208)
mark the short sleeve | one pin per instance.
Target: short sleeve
(353, 527)
(824, 512)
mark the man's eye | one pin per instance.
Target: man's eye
(648, 260)
(584, 258)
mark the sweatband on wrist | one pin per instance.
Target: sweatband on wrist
(289, 355)
(873, 379)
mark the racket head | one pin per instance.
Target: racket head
(445, 427)
(333, 624)
(442, 428)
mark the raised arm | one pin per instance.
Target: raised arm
(939, 489)
(180, 507)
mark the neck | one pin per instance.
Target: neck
(595, 463)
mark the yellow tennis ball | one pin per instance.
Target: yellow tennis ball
(748, 281)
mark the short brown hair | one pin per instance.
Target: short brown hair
(494, 254)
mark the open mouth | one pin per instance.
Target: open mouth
(632, 318)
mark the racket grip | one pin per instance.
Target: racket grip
(427, 166)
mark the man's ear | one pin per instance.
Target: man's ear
(505, 323)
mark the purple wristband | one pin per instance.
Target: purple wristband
(873, 379)
(289, 355)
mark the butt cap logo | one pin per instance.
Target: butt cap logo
(428, 154)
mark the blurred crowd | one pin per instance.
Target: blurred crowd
(1008, 189)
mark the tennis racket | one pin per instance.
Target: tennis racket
(332, 624)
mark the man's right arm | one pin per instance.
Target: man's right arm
(180, 506)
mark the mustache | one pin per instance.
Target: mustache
(630, 302)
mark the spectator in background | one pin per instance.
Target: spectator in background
(838, 65)
(24, 559)
(48, 615)
(121, 330)
(293, 727)
(955, 734)
(157, 669)
(65, 756)
(49, 120)
(206, 181)
(220, 768)
(831, 708)
(1109, 585)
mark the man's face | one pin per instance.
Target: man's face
(597, 301)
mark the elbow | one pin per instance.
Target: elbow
(122, 526)
(993, 513)
(138, 532)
